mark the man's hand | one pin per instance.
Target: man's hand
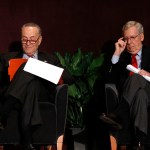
(144, 73)
(120, 46)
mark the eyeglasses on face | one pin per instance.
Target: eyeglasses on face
(131, 38)
(25, 40)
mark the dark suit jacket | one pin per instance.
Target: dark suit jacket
(43, 56)
(24, 78)
(118, 73)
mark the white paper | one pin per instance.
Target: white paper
(132, 68)
(135, 70)
(44, 70)
(147, 78)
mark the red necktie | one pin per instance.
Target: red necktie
(134, 62)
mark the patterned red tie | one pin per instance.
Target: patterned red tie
(134, 62)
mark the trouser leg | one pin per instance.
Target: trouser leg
(124, 135)
(30, 112)
(136, 96)
(6, 108)
(19, 84)
(138, 111)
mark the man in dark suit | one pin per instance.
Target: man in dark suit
(25, 89)
(133, 90)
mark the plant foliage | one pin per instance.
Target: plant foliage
(85, 69)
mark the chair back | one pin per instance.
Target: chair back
(112, 101)
(54, 120)
(112, 97)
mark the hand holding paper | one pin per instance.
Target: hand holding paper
(132, 68)
(44, 70)
(135, 70)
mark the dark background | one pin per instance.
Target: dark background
(71, 24)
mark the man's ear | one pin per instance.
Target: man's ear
(40, 40)
(142, 37)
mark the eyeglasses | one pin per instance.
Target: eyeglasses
(24, 41)
(132, 38)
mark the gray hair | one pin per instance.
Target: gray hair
(129, 24)
(32, 24)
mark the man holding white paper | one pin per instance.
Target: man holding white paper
(27, 88)
(134, 90)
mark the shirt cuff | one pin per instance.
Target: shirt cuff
(115, 59)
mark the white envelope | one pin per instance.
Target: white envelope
(44, 70)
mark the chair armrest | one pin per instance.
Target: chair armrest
(112, 97)
(61, 100)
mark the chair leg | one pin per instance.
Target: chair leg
(51, 147)
(113, 143)
(1, 147)
(60, 143)
(59, 146)
(123, 147)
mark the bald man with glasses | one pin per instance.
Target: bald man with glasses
(25, 88)
(134, 89)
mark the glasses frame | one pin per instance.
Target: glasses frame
(30, 41)
(132, 38)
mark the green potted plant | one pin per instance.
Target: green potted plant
(85, 69)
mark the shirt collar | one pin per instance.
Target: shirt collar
(139, 53)
(35, 56)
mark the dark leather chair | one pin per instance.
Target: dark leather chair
(112, 97)
(54, 118)
(112, 100)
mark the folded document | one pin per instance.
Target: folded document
(44, 70)
(135, 70)
(14, 64)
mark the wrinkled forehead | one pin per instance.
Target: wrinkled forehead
(30, 31)
(132, 31)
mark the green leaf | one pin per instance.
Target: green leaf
(85, 69)
(96, 63)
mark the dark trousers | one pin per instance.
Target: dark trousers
(26, 90)
(133, 106)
